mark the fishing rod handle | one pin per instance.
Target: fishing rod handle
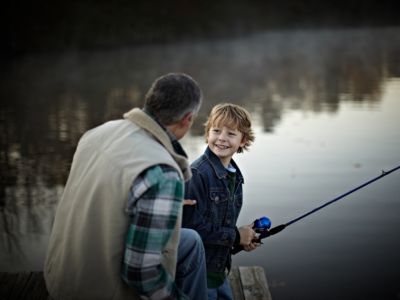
(262, 235)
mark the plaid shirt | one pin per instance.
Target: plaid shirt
(154, 203)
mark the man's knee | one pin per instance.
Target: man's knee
(190, 235)
(191, 239)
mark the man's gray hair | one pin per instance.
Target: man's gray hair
(171, 96)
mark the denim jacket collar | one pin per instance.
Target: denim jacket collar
(219, 168)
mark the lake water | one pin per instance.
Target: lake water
(326, 111)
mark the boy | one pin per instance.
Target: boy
(217, 186)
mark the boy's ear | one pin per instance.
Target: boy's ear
(244, 142)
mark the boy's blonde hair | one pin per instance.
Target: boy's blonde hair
(232, 116)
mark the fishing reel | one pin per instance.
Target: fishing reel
(262, 226)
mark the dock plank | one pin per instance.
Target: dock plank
(8, 283)
(236, 284)
(254, 283)
(248, 283)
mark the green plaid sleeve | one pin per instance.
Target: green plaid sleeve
(154, 203)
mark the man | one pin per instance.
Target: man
(116, 233)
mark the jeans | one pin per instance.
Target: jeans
(223, 292)
(191, 275)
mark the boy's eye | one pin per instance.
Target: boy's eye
(215, 130)
(232, 133)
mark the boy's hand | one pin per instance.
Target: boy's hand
(251, 247)
(247, 234)
(189, 202)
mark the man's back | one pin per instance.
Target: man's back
(86, 245)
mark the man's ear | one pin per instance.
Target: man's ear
(187, 118)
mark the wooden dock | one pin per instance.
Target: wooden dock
(24, 285)
(248, 283)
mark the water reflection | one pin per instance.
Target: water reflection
(48, 101)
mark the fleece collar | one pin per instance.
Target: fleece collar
(143, 120)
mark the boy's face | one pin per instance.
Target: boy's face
(224, 142)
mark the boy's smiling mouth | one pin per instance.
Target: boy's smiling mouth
(222, 147)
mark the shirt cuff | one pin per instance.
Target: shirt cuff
(237, 238)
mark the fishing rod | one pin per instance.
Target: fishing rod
(262, 225)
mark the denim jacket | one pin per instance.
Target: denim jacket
(216, 212)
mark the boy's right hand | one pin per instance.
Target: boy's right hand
(247, 234)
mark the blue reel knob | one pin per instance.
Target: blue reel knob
(262, 222)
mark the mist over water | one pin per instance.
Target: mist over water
(326, 111)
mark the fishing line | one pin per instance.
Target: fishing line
(384, 173)
(262, 225)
